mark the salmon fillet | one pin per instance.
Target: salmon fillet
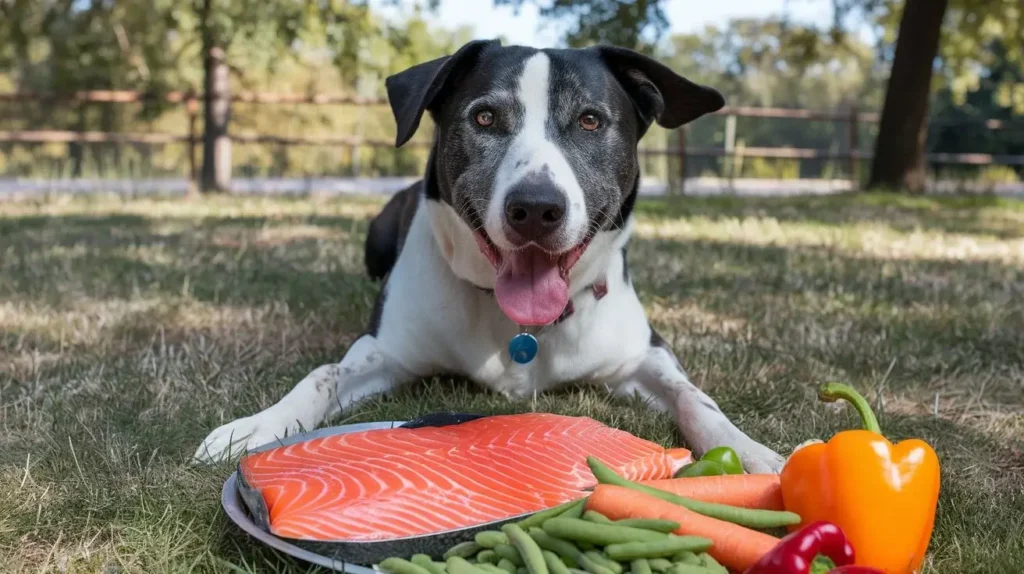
(396, 483)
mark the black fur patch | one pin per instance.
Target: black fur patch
(625, 266)
(387, 231)
(378, 310)
(657, 341)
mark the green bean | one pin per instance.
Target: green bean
(600, 534)
(487, 556)
(659, 564)
(538, 518)
(751, 518)
(600, 558)
(528, 549)
(421, 560)
(555, 564)
(592, 566)
(586, 546)
(688, 569)
(640, 566)
(490, 538)
(709, 562)
(459, 565)
(658, 549)
(507, 565)
(655, 524)
(574, 511)
(563, 548)
(508, 552)
(687, 558)
(596, 517)
(427, 563)
(522, 570)
(401, 566)
(489, 568)
(567, 551)
(463, 550)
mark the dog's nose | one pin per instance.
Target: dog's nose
(534, 211)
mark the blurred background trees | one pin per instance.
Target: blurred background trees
(972, 69)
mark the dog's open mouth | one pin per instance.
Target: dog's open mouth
(532, 285)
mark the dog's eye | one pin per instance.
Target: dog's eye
(589, 122)
(485, 118)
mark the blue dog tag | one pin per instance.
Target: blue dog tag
(523, 348)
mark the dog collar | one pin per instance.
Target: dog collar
(523, 347)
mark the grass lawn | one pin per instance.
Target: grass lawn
(128, 330)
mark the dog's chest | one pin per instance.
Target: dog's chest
(600, 338)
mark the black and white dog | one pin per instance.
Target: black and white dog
(520, 224)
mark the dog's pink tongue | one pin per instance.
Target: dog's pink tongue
(530, 288)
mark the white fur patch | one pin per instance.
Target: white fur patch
(458, 247)
(532, 151)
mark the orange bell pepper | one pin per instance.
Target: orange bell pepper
(883, 496)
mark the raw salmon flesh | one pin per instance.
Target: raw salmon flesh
(395, 483)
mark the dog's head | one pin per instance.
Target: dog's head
(536, 153)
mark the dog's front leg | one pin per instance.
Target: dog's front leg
(661, 380)
(365, 370)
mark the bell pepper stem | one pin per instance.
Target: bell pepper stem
(832, 392)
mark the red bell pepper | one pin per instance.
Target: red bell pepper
(795, 553)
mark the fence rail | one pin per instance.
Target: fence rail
(191, 100)
(178, 97)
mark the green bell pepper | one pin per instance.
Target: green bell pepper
(717, 461)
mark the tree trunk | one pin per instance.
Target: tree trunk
(900, 148)
(216, 175)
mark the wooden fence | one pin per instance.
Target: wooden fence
(191, 101)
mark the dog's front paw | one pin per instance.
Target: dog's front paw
(230, 441)
(756, 458)
(759, 459)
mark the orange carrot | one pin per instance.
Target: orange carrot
(745, 490)
(736, 547)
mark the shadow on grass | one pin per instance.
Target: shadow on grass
(216, 260)
(853, 312)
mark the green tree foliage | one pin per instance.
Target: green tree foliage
(65, 45)
(772, 62)
(977, 36)
(634, 24)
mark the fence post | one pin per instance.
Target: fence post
(730, 145)
(853, 145)
(192, 107)
(681, 150)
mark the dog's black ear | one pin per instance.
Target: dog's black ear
(414, 90)
(659, 94)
